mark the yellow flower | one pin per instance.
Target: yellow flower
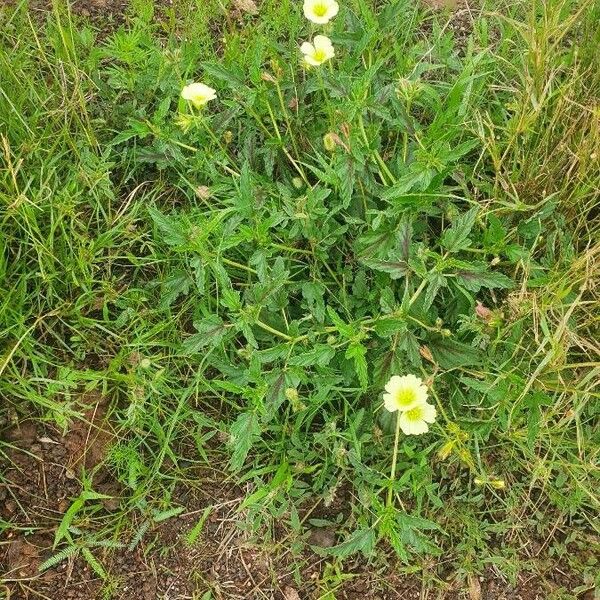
(415, 421)
(198, 94)
(404, 393)
(320, 51)
(320, 11)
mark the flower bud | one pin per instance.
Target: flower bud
(445, 451)
(330, 141)
(291, 394)
(267, 77)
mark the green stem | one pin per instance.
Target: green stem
(237, 265)
(383, 168)
(390, 496)
(288, 122)
(276, 332)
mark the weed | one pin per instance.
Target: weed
(244, 276)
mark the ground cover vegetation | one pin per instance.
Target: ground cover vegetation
(341, 258)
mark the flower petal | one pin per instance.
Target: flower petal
(307, 48)
(322, 42)
(429, 412)
(389, 401)
(411, 426)
(392, 385)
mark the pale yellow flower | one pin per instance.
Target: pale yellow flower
(404, 393)
(320, 51)
(198, 94)
(320, 11)
(415, 420)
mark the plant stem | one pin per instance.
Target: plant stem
(390, 496)
(274, 331)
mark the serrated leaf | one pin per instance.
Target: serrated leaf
(479, 278)
(234, 79)
(388, 327)
(358, 352)
(495, 233)
(362, 540)
(157, 517)
(196, 530)
(275, 394)
(58, 558)
(210, 332)
(243, 434)
(178, 284)
(405, 233)
(396, 269)
(172, 231)
(345, 329)
(313, 293)
(94, 563)
(436, 282)
(456, 237)
(450, 354)
(319, 355)
(198, 267)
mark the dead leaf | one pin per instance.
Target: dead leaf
(46, 440)
(452, 4)
(425, 352)
(290, 593)
(247, 6)
(483, 312)
(474, 588)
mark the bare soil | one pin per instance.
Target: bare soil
(42, 476)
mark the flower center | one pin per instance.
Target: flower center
(414, 414)
(319, 55)
(320, 10)
(405, 397)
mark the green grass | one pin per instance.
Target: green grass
(224, 276)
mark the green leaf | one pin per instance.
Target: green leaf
(396, 269)
(450, 354)
(387, 327)
(244, 433)
(196, 530)
(362, 540)
(172, 231)
(456, 237)
(275, 394)
(210, 333)
(164, 515)
(234, 78)
(474, 280)
(358, 352)
(94, 563)
(405, 233)
(63, 528)
(177, 284)
(495, 234)
(345, 329)
(436, 282)
(319, 355)
(313, 293)
(58, 558)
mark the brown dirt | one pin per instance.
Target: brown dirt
(461, 15)
(42, 479)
